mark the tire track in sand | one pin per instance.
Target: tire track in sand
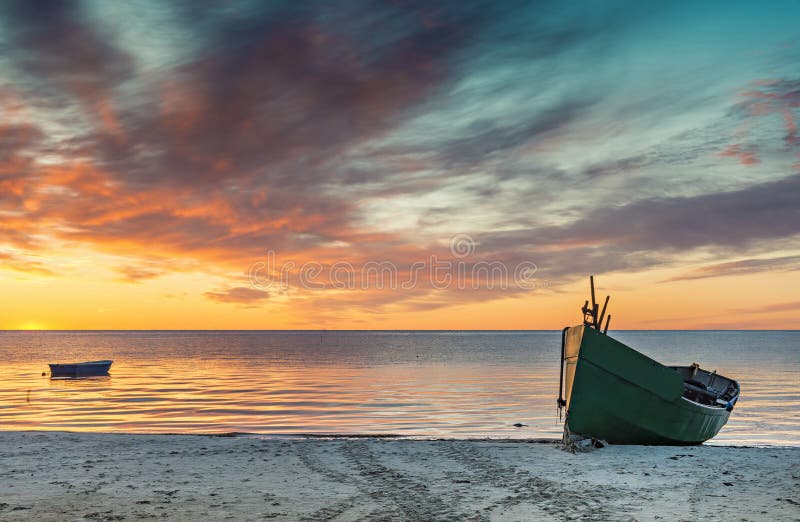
(549, 496)
(412, 498)
(308, 453)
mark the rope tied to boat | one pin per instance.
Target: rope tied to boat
(561, 403)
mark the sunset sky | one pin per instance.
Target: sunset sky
(160, 162)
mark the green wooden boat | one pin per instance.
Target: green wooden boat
(612, 392)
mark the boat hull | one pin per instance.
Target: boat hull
(84, 369)
(622, 396)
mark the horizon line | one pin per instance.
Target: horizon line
(2, 330)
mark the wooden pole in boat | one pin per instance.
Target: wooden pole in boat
(603, 313)
(594, 303)
(608, 320)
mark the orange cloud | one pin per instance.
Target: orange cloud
(238, 295)
(24, 265)
(137, 274)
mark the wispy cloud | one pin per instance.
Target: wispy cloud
(136, 274)
(24, 264)
(238, 295)
(742, 267)
(792, 306)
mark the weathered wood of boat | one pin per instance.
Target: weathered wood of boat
(81, 369)
(612, 392)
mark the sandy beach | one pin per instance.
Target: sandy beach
(81, 476)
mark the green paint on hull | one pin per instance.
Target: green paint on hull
(617, 394)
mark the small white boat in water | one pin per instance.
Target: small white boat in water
(81, 369)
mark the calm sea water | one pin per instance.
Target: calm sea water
(451, 384)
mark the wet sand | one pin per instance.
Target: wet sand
(72, 476)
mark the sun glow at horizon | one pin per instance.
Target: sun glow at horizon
(31, 325)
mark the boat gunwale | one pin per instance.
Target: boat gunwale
(713, 408)
(85, 363)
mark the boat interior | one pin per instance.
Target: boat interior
(708, 388)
